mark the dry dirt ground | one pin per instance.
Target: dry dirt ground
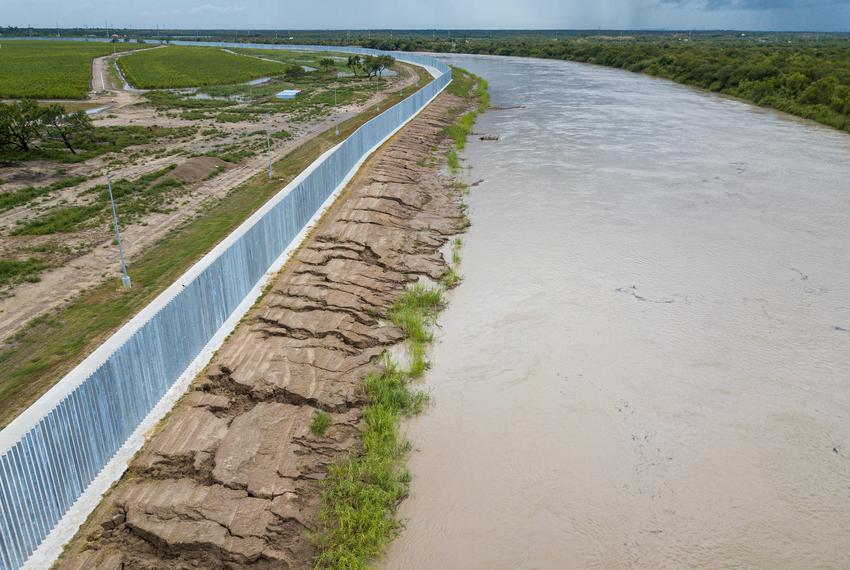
(86, 258)
(229, 478)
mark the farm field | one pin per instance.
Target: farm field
(50, 70)
(308, 58)
(181, 66)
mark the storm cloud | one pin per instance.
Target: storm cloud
(754, 4)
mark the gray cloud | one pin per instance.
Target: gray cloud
(753, 4)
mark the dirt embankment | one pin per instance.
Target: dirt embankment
(229, 479)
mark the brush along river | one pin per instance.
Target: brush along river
(647, 362)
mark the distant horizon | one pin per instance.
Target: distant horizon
(425, 30)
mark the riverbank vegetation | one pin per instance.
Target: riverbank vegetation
(802, 74)
(360, 494)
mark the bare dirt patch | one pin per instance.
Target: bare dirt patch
(198, 168)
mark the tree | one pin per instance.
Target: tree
(385, 61)
(20, 124)
(327, 64)
(373, 65)
(820, 92)
(795, 82)
(354, 63)
(370, 65)
(5, 135)
(294, 72)
(65, 126)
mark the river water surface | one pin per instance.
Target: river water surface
(648, 362)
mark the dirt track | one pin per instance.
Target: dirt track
(229, 478)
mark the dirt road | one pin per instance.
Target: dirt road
(229, 478)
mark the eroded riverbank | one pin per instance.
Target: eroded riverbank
(230, 478)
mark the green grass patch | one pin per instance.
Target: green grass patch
(414, 313)
(50, 70)
(133, 198)
(457, 244)
(451, 279)
(320, 423)
(182, 66)
(232, 117)
(453, 161)
(58, 221)
(15, 271)
(302, 58)
(360, 494)
(9, 200)
(468, 86)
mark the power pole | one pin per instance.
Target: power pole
(126, 277)
(269, 143)
(336, 113)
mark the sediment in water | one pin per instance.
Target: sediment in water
(230, 477)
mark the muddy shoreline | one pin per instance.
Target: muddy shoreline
(229, 478)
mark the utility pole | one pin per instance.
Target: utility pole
(269, 143)
(376, 92)
(126, 277)
(336, 113)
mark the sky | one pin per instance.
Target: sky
(811, 15)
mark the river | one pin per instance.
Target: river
(647, 364)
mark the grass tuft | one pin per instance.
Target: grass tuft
(14, 271)
(456, 246)
(414, 312)
(451, 279)
(320, 424)
(453, 161)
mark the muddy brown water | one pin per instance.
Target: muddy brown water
(647, 364)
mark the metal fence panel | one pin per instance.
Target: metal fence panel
(45, 470)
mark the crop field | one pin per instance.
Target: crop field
(180, 66)
(308, 58)
(50, 70)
